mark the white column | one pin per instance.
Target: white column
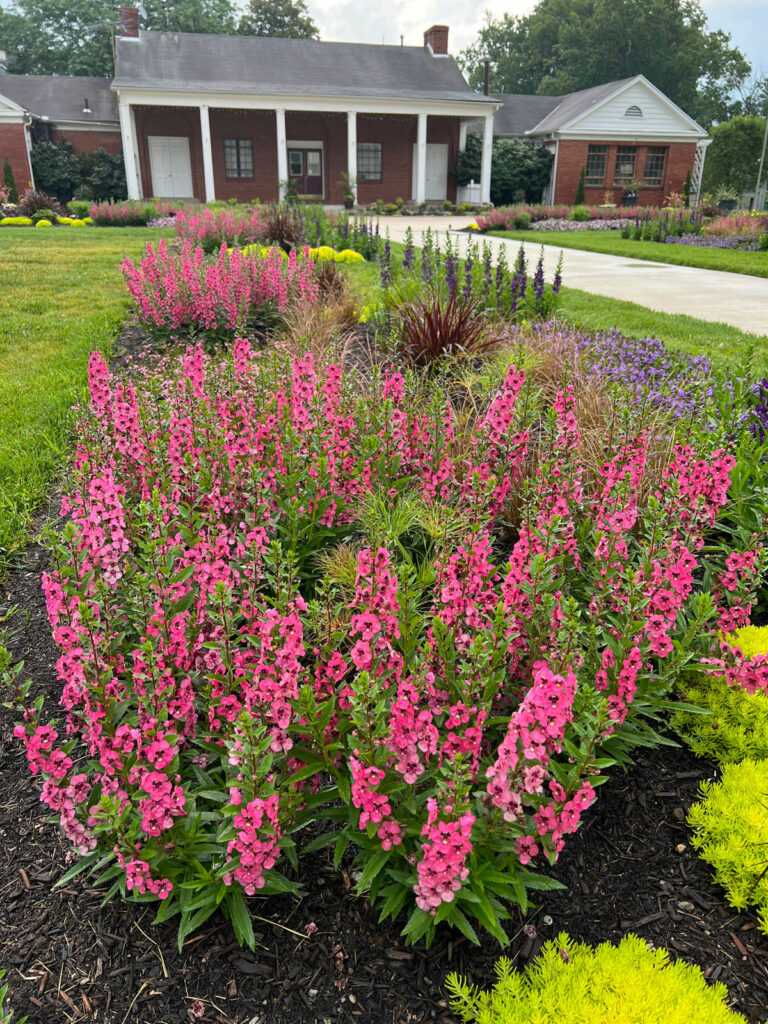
(282, 151)
(485, 166)
(421, 160)
(205, 136)
(352, 150)
(462, 136)
(127, 131)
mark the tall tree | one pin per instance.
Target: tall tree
(74, 37)
(733, 156)
(566, 45)
(287, 18)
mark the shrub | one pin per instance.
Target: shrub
(284, 226)
(16, 222)
(736, 726)
(349, 256)
(580, 213)
(57, 168)
(9, 182)
(433, 327)
(211, 229)
(123, 215)
(522, 221)
(79, 208)
(43, 223)
(284, 596)
(217, 298)
(569, 983)
(730, 831)
(518, 167)
(34, 201)
(578, 199)
(43, 214)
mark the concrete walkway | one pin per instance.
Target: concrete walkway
(735, 299)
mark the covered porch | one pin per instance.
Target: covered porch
(248, 148)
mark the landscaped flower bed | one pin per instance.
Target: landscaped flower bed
(413, 611)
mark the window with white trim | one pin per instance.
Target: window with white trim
(238, 158)
(594, 173)
(369, 161)
(655, 158)
(626, 159)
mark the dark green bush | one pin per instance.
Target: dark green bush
(522, 220)
(79, 208)
(43, 214)
(580, 213)
(578, 199)
(519, 168)
(9, 182)
(56, 168)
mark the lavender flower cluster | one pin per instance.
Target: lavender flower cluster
(552, 224)
(744, 242)
(162, 222)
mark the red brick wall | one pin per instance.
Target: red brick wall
(572, 157)
(14, 146)
(397, 135)
(89, 142)
(177, 121)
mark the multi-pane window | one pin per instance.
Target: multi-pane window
(626, 158)
(238, 158)
(595, 170)
(655, 157)
(369, 161)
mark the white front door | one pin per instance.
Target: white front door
(437, 171)
(171, 166)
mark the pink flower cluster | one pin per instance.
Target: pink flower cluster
(255, 845)
(187, 291)
(214, 228)
(442, 868)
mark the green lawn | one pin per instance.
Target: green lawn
(61, 296)
(754, 264)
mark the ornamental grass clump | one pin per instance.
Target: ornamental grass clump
(185, 292)
(570, 983)
(292, 614)
(730, 831)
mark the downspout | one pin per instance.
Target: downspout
(28, 141)
(554, 172)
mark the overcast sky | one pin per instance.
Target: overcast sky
(376, 21)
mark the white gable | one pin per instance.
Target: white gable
(636, 111)
(10, 111)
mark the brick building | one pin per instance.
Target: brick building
(219, 117)
(617, 133)
(41, 108)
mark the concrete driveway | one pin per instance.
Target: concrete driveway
(714, 295)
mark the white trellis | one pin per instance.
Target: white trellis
(698, 169)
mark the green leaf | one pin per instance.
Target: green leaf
(459, 920)
(240, 918)
(373, 866)
(394, 902)
(88, 861)
(189, 922)
(341, 847)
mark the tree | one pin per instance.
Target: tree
(520, 168)
(286, 18)
(578, 199)
(734, 154)
(566, 45)
(74, 37)
(9, 182)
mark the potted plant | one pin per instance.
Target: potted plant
(727, 197)
(348, 184)
(629, 190)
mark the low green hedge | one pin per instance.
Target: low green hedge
(571, 983)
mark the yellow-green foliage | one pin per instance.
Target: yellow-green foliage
(730, 831)
(737, 726)
(44, 223)
(15, 222)
(570, 983)
(751, 640)
(349, 256)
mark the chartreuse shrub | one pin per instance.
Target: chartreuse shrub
(736, 726)
(570, 983)
(730, 831)
(281, 606)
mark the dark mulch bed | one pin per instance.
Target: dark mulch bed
(629, 868)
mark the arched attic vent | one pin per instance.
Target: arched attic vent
(633, 111)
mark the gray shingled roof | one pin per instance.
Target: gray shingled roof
(61, 98)
(576, 103)
(544, 114)
(171, 61)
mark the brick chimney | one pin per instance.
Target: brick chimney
(436, 38)
(129, 22)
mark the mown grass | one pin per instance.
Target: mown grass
(754, 264)
(61, 296)
(725, 345)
